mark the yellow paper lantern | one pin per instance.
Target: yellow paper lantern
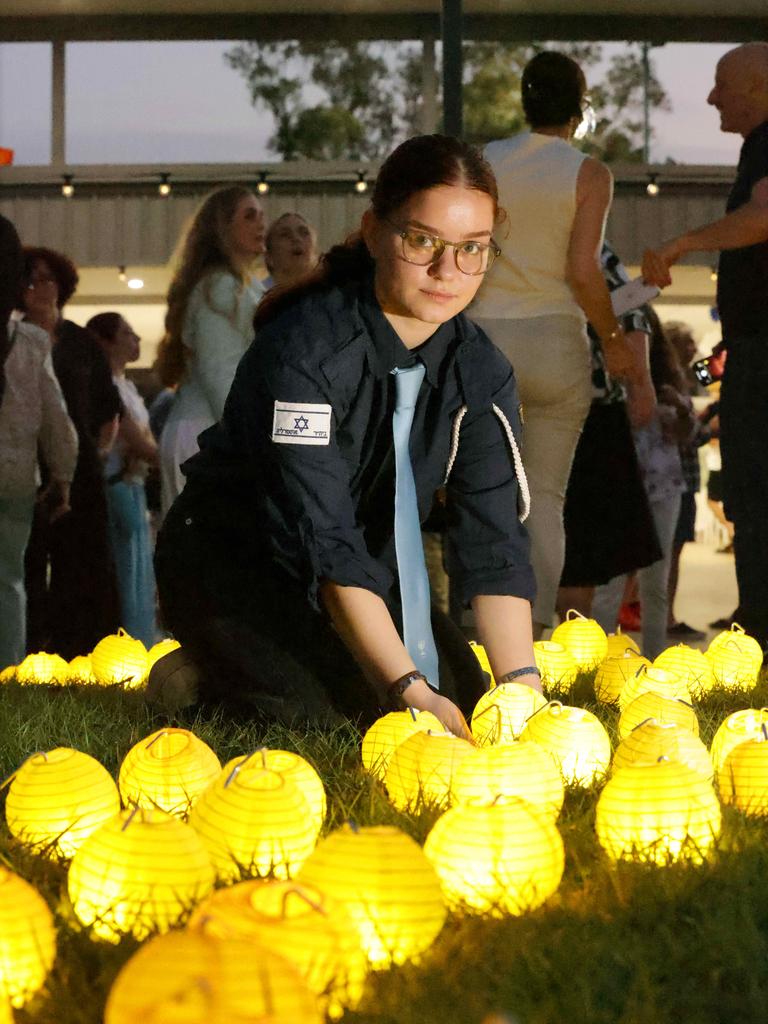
(80, 670)
(168, 769)
(743, 777)
(159, 650)
(479, 652)
(42, 668)
(663, 709)
(8, 675)
(654, 680)
(59, 798)
(574, 738)
(658, 811)
(736, 728)
(503, 858)
(689, 664)
(619, 643)
(189, 977)
(422, 768)
(613, 674)
(584, 638)
(500, 714)
(515, 769)
(140, 872)
(556, 665)
(652, 740)
(300, 923)
(27, 939)
(388, 732)
(6, 1013)
(736, 659)
(387, 886)
(120, 660)
(294, 768)
(254, 821)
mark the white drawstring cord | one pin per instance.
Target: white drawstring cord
(522, 479)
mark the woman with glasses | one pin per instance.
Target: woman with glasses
(546, 284)
(291, 564)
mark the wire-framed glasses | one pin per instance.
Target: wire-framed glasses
(421, 248)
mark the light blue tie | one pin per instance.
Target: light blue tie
(411, 567)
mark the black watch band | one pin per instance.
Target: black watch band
(396, 690)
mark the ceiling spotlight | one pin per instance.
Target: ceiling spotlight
(121, 274)
(164, 188)
(262, 185)
(67, 188)
(361, 185)
(652, 188)
(135, 283)
(713, 274)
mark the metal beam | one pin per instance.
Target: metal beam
(58, 105)
(453, 67)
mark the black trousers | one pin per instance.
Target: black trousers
(256, 640)
(744, 449)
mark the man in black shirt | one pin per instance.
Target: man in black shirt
(740, 94)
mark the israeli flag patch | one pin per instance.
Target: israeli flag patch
(301, 423)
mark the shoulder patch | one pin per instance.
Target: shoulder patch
(301, 423)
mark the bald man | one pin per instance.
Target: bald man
(740, 94)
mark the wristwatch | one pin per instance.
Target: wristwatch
(395, 691)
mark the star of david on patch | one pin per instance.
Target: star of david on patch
(301, 423)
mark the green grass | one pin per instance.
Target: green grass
(617, 943)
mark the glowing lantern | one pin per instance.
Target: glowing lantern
(556, 665)
(658, 811)
(42, 668)
(388, 732)
(584, 638)
(57, 799)
(422, 769)
(613, 673)
(169, 770)
(8, 674)
(652, 740)
(254, 820)
(654, 680)
(80, 670)
(663, 709)
(159, 650)
(479, 652)
(690, 665)
(736, 658)
(619, 643)
(189, 977)
(514, 769)
(27, 939)
(387, 885)
(298, 922)
(120, 660)
(575, 739)
(737, 728)
(6, 1013)
(500, 714)
(743, 778)
(140, 872)
(294, 768)
(504, 858)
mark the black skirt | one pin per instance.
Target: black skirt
(609, 528)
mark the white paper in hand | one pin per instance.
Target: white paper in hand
(632, 295)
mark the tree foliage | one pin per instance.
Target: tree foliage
(357, 100)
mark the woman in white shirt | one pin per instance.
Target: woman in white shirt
(546, 284)
(209, 323)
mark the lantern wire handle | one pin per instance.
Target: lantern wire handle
(662, 757)
(645, 721)
(263, 752)
(575, 614)
(354, 826)
(764, 731)
(413, 712)
(234, 772)
(161, 733)
(130, 817)
(544, 707)
(302, 894)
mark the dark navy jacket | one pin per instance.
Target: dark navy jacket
(304, 449)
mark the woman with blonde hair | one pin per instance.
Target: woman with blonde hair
(209, 323)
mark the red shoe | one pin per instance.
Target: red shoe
(629, 617)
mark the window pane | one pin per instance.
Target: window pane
(25, 101)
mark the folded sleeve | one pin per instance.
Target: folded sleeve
(488, 551)
(58, 437)
(218, 340)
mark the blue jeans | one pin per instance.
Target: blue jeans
(15, 526)
(132, 551)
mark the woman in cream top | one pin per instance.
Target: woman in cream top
(541, 291)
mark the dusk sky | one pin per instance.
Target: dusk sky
(179, 102)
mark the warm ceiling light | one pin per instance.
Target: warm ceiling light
(262, 186)
(121, 274)
(361, 185)
(135, 283)
(164, 188)
(67, 188)
(652, 188)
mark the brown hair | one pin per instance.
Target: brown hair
(104, 326)
(419, 164)
(553, 88)
(61, 266)
(204, 247)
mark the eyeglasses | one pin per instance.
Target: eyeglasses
(471, 257)
(38, 279)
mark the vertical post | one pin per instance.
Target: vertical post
(453, 66)
(646, 104)
(428, 85)
(58, 104)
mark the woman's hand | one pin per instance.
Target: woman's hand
(419, 696)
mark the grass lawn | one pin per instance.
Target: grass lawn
(627, 943)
